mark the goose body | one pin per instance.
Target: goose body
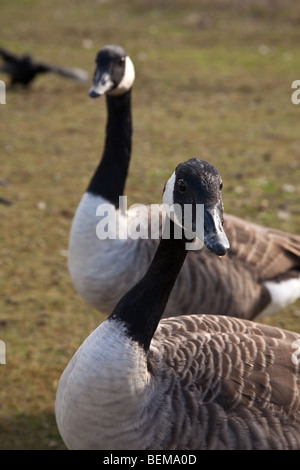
(186, 382)
(96, 263)
(260, 275)
(247, 396)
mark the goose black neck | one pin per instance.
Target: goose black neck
(109, 178)
(143, 306)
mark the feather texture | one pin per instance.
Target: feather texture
(207, 382)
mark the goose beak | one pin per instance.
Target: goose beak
(102, 84)
(215, 238)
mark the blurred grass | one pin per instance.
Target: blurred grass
(212, 80)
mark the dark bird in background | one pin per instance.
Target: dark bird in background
(23, 70)
(4, 201)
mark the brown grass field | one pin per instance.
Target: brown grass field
(213, 80)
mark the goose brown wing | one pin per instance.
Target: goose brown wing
(236, 379)
(271, 252)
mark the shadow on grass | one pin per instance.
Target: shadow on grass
(30, 432)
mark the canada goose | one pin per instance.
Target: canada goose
(23, 70)
(260, 275)
(186, 382)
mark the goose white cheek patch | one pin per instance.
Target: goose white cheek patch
(174, 212)
(128, 79)
(169, 191)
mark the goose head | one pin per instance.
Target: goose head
(114, 73)
(197, 184)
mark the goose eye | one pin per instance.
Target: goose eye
(122, 60)
(181, 185)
